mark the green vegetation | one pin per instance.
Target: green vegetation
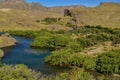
(17, 72)
(109, 62)
(30, 33)
(51, 41)
(68, 46)
(50, 20)
(65, 57)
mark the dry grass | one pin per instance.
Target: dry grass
(100, 48)
(106, 15)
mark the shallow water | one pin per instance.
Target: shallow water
(22, 53)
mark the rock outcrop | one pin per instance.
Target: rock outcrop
(1, 53)
(5, 41)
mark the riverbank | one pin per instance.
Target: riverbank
(5, 41)
(73, 42)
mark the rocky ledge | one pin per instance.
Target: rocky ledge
(5, 41)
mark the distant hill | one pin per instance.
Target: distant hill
(21, 4)
(19, 14)
(107, 14)
(60, 9)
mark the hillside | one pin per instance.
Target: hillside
(106, 14)
(21, 4)
(20, 15)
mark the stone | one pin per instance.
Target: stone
(1, 53)
(6, 40)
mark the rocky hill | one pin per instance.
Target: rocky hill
(21, 4)
(21, 15)
(107, 14)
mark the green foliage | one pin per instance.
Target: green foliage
(52, 41)
(65, 57)
(59, 76)
(67, 49)
(80, 74)
(30, 33)
(109, 62)
(59, 57)
(17, 72)
(83, 61)
(84, 42)
(96, 35)
(50, 20)
(73, 45)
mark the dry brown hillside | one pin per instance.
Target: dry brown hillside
(20, 15)
(106, 14)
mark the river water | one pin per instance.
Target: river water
(22, 53)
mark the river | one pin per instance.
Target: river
(22, 53)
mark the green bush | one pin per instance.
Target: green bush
(80, 74)
(50, 20)
(17, 72)
(109, 62)
(52, 41)
(84, 61)
(66, 57)
(73, 45)
(59, 57)
(84, 42)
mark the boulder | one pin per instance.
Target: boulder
(6, 40)
(1, 53)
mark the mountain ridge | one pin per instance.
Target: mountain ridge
(23, 15)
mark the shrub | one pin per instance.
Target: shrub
(84, 61)
(109, 62)
(50, 20)
(59, 57)
(80, 74)
(66, 57)
(17, 72)
(74, 46)
(52, 41)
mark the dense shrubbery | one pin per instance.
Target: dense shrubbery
(17, 72)
(50, 20)
(80, 74)
(53, 41)
(68, 48)
(30, 33)
(74, 46)
(65, 57)
(109, 62)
